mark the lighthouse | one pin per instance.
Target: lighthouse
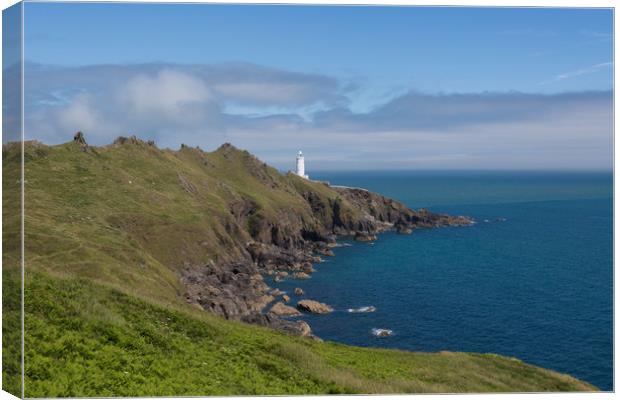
(301, 169)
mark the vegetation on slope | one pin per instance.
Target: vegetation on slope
(111, 230)
(85, 339)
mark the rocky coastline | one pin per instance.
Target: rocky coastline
(251, 223)
(283, 249)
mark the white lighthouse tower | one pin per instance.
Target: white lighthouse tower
(301, 169)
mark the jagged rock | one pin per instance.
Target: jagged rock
(307, 268)
(276, 292)
(229, 290)
(127, 140)
(382, 332)
(79, 138)
(298, 328)
(299, 292)
(304, 329)
(314, 307)
(325, 251)
(281, 309)
(301, 275)
(403, 230)
(365, 237)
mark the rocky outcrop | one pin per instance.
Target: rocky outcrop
(325, 251)
(260, 237)
(363, 237)
(314, 307)
(403, 230)
(287, 247)
(298, 328)
(231, 291)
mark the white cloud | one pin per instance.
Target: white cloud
(265, 92)
(169, 93)
(174, 105)
(582, 71)
(79, 113)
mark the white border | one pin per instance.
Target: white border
(476, 3)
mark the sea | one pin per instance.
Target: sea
(531, 279)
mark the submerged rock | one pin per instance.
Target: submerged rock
(380, 332)
(299, 291)
(314, 307)
(366, 309)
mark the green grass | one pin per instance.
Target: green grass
(107, 232)
(84, 339)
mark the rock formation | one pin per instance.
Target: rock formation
(281, 309)
(314, 307)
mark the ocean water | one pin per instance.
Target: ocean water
(532, 279)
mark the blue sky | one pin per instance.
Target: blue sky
(423, 87)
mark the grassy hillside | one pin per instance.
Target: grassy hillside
(85, 339)
(111, 230)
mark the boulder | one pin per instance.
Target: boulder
(301, 275)
(303, 328)
(403, 230)
(276, 292)
(299, 291)
(285, 298)
(325, 251)
(380, 332)
(271, 320)
(365, 237)
(280, 309)
(314, 307)
(79, 139)
(307, 268)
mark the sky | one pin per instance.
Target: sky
(353, 87)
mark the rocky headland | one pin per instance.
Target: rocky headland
(286, 245)
(224, 223)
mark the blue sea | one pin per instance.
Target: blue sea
(532, 279)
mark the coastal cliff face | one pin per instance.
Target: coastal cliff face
(210, 227)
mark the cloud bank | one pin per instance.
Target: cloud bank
(273, 113)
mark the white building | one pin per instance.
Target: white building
(301, 168)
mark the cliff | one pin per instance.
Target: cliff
(215, 222)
